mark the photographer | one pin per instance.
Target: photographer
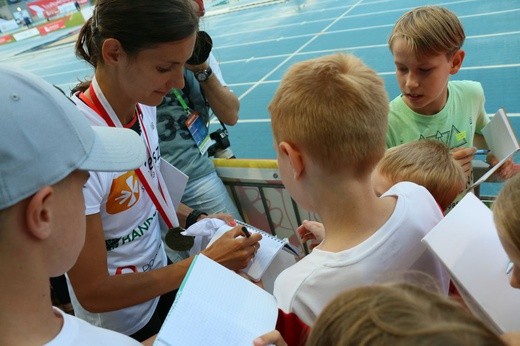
(182, 122)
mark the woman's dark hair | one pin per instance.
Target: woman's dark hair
(136, 24)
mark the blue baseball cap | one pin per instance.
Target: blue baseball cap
(44, 137)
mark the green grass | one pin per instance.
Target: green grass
(74, 19)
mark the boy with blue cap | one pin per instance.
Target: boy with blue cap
(46, 150)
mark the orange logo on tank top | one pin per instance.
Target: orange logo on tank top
(124, 193)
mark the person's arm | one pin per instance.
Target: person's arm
(504, 172)
(479, 141)
(149, 341)
(182, 214)
(183, 211)
(97, 291)
(222, 101)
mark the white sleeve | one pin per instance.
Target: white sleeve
(213, 63)
(93, 193)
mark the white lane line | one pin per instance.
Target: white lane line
(266, 120)
(297, 51)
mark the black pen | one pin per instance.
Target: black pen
(246, 232)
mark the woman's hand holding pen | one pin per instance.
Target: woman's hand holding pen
(234, 249)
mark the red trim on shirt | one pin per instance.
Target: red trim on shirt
(292, 329)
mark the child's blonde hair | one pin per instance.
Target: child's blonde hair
(428, 163)
(429, 30)
(336, 109)
(506, 212)
(397, 314)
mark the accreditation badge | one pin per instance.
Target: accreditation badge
(199, 131)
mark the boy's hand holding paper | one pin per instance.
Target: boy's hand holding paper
(503, 143)
(506, 170)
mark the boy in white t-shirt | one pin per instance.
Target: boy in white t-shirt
(47, 148)
(428, 163)
(329, 119)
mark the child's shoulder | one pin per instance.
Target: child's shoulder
(465, 87)
(412, 193)
(404, 187)
(415, 208)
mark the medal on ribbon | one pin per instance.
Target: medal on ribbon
(177, 241)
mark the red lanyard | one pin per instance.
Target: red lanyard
(97, 107)
(158, 194)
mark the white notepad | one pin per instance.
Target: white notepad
(467, 243)
(270, 246)
(501, 140)
(216, 306)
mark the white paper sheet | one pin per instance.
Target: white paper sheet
(175, 181)
(216, 306)
(467, 243)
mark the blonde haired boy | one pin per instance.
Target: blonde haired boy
(428, 163)
(398, 314)
(329, 119)
(507, 220)
(426, 44)
(42, 211)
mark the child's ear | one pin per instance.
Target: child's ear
(38, 214)
(111, 51)
(456, 61)
(295, 158)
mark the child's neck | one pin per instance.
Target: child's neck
(351, 213)
(26, 314)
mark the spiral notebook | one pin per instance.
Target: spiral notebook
(270, 246)
(215, 306)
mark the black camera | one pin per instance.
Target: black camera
(203, 46)
(221, 149)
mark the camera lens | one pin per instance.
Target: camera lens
(224, 154)
(221, 148)
(202, 48)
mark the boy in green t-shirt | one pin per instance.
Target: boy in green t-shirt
(426, 44)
